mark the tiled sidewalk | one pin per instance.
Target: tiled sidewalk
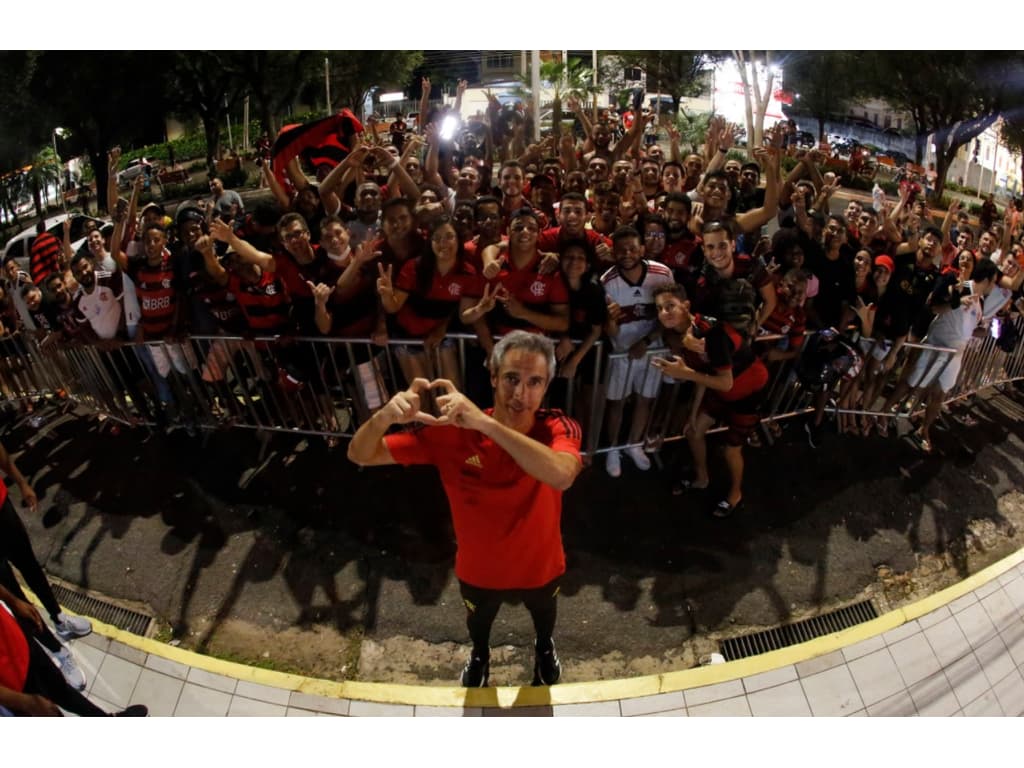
(963, 658)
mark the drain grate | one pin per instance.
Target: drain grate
(800, 632)
(122, 618)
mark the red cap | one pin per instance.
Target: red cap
(885, 261)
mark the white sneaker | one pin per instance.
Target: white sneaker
(614, 464)
(69, 668)
(71, 626)
(636, 453)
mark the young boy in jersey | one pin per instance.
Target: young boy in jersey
(718, 358)
(632, 327)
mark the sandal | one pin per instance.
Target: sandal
(923, 443)
(882, 427)
(866, 426)
(724, 509)
(687, 486)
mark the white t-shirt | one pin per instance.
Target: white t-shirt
(955, 328)
(639, 312)
(101, 307)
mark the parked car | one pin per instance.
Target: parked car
(140, 166)
(805, 139)
(19, 244)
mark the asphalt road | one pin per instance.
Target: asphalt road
(307, 547)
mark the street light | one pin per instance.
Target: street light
(63, 133)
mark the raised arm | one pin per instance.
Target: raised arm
(459, 90)
(246, 251)
(632, 136)
(581, 115)
(567, 152)
(113, 160)
(947, 222)
(424, 103)
(117, 238)
(213, 266)
(295, 174)
(397, 171)
(368, 448)
(275, 186)
(66, 251)
(555, 468)
(432, 162)
(751, 221)
(332, 183)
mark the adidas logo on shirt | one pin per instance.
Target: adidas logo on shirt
(474, 461)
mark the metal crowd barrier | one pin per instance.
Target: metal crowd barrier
(329, 386)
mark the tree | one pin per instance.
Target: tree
(675, 73)
(1011, 133)
(823, 82)
(571, 79)
(758, 80)
(952, 95)
(44, 171)
(209, 84)
(693, 128)
(354, 75)
(103, 98)
(274, 79)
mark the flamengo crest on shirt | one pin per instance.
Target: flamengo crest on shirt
(537, 288)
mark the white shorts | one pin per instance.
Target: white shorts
(877, 349)
(626, 376)
(167, 354)
(929, 365)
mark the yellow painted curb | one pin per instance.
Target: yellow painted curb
(565, 693)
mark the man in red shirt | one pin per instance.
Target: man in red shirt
(504, 471)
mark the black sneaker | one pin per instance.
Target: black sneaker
(135, 710)
(476, 672)
(813, 434)
(547, 668)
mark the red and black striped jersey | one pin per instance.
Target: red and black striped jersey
(265, 304)
(44, 257)
(157, 289)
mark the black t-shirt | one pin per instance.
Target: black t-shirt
(917, 283)
(893, 315)
(587, 307)
(836, 286)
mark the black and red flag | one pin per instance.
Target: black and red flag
(322, 143)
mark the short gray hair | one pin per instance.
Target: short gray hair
(528, 342)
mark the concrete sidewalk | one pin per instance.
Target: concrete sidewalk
(958, 652)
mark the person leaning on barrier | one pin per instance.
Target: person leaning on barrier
(717, 356)
(425, 297)
(504, 471)
(960, 306)
(516, 292)
(632, 327)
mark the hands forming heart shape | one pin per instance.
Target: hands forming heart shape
(455, 408)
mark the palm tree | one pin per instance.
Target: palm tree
(572, 79)
(44, 171)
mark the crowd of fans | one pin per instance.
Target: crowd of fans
(466, 227)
